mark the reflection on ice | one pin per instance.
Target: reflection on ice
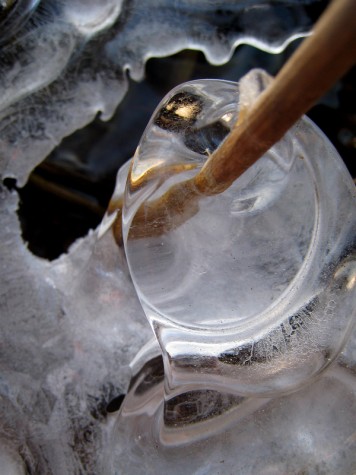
(308, 432)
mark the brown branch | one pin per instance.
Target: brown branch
(317, 64)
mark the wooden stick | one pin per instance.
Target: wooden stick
(317, 64)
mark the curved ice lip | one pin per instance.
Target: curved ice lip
(279, 337)
(92, 17)
(49, 92)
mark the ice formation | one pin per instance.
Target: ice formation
(256, 281)
(70, 60)
(69, 329)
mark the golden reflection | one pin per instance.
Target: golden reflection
(180, 112)
(157, 170)
(187, 112)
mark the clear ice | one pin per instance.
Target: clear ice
(70, 328)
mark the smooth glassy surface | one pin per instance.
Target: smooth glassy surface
(210, 432)
(252, 289)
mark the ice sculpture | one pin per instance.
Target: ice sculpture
(69, 329)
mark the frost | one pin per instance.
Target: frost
(70, 328)
(69, 331)
(70, 60)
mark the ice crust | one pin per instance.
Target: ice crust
(70, 328)
(71, 61)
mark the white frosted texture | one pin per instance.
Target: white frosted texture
(71, 62)
(70, 328)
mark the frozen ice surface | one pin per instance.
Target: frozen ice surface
(307, 432)
(70, 59)
(70, 328)
(69, 331)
